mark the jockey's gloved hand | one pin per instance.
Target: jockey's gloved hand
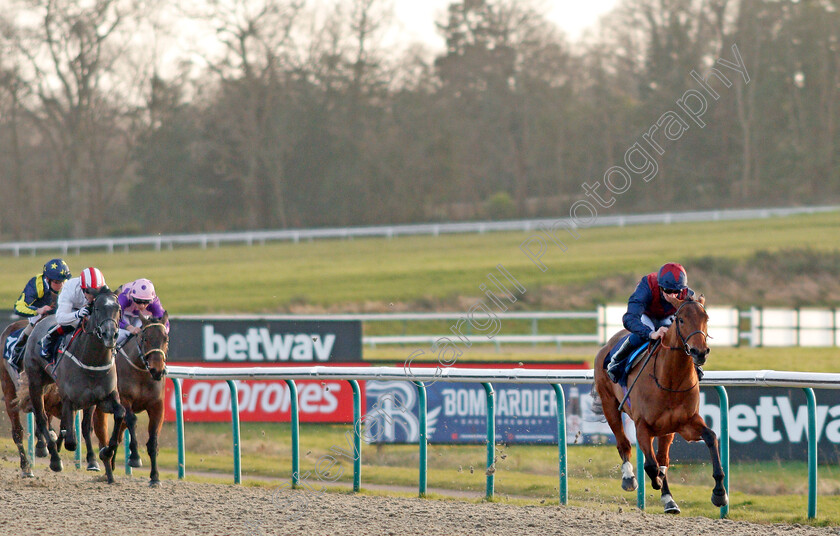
(82, 313)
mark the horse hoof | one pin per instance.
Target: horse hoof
(629, 484)
(56, 465)
(672, 508)
(93, 466)
(154, 483)
(53, 435)
(41, 451)
(27, 473)
(71, 447)
(135, 462)
(720, 500)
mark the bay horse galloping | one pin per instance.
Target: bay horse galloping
(10, 385)
(664, 400)
(141, 364)
(85, 375)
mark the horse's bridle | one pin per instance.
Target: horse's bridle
(144, 356)
(98, 329)
(685, 348)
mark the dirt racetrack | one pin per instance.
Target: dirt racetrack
(75, 502)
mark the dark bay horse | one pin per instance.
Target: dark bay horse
(664, 400)
(141, 364)
(86, 377)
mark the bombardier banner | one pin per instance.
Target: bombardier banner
(265, 341)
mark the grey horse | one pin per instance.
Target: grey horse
(86, 377)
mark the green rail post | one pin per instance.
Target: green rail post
(357, 435)
(421, 413)
(179, 427)
(234, 418)
(78, 425)
(724, 442)
(30, 441)
(640, 471)
(126, 439)
(812, 452)
(491, 439)
(293, 397)
(562, 459)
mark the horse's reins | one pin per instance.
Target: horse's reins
(97, 331)
(651, 350)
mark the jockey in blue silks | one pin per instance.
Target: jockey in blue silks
(650, 310)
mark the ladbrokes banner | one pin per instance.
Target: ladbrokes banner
(265, 341)
(263, 400)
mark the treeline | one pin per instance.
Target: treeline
(283, 118)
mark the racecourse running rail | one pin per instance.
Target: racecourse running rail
(808, 381)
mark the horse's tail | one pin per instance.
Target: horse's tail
(22, 401)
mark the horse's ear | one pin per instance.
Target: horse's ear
(105, 290)
(702, 299)
(165, 318)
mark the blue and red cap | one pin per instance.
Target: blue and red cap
(672, 277)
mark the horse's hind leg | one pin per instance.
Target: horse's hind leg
(108, 454)
(695, 431)
(17, 429)
(613, 416)
(131, 424)
(36, 393)
(663, 450)
(92, 464)
(68, 428)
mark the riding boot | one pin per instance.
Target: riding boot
(699, 370)
(50, 340)
(17, 351)
(617, 362)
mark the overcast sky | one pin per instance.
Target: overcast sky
(416, 17)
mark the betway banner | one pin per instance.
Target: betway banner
(263, 400)
(768, 424)
(265, 341)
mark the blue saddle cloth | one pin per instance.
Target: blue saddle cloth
(11, 341)
(629, 362)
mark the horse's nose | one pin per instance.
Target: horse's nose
(156, 374)
(699, 356)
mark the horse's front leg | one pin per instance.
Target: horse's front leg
(644, 437)
(92, 464)
(111, 404)
(695, 431)
(663, 456)
(155, 423)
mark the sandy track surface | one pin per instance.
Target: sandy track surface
(76, 502)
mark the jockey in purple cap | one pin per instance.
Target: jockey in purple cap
(650, 310)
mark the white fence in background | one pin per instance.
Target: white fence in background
(723, 324)
(767, 326)
(249, 238)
